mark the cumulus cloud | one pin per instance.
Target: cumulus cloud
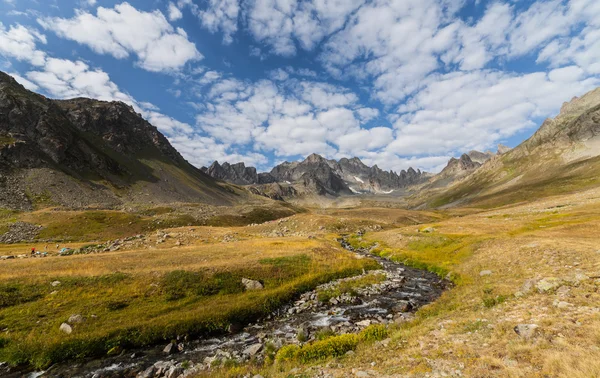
(19, 42)
(397, 83)
(124, 30)
(221, 15)
(174, 12)
(283, 24)
(62, 78)
(463, 111)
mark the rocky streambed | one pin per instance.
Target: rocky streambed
(401, 290)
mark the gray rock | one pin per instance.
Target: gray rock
(170, 348)
(66, 328)
(485, 273)
(75, 319)
(252, 284)
(561, 304)
(253, 349)
(148, 373)
(548, 284)
(55, 283)
(402, 306)
(174, 372)
(527, 331)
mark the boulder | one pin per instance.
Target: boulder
(75, 319)
(402, 306)
(170, 348)
(66, 328)
(548, 284)
(252, 284)
(485, 273)
(364, 323)
(253, 349)
(174, 372)
(526, 331)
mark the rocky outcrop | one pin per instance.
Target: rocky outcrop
(84, 152)
(454, 171)
(237, 174)
(503, 149)
(480, 157)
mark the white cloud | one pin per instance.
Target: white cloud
(202, 151)
(221, 15)
(174, 12)
(323, 95)
(367, 114)
(19, 42)
(458, 112)
(63, 78)
(124, 30)
(301, 72)
(361, 141)
(279, 75)
(282, 24)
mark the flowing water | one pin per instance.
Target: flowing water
(394, 299)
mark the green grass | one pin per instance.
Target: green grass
(434, 252)
(103, 225)
(136, 310)
(329, 347)
(255, 216)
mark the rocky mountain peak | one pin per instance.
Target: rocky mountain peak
(503, 149)
(314, 158)
(82, 151)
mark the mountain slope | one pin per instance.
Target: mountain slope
(84, 152)
(563, 155)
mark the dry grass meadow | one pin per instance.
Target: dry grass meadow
(529, 263)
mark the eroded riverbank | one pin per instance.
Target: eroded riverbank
(399, 292)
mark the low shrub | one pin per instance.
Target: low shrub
(332, 347)
(375, 332)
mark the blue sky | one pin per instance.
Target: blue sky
(396, 83)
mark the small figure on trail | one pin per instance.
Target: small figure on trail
(33, 251)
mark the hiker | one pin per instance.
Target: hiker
(33, 251)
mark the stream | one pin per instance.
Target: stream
(395, 299)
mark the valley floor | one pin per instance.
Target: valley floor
(525, 301)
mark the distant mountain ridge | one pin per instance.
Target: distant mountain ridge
(317, 175)
(84, 152)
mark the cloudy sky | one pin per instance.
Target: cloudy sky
(397, 83)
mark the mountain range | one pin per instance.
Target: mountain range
(320, 176)
(81, 153)
(317, 175)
